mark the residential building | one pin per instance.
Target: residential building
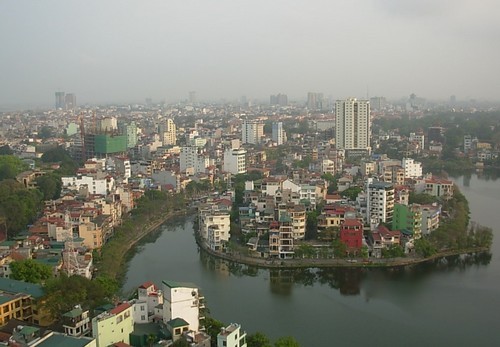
(95, 186)
(193, 160)
(437, 187)
(149, 297)
(252, 132)
(232, 336)
(430, 218)
(25, 335)
(130, 130)
(419, 138)
(328, 166)
(60, 102)
(76, 322)
(235, 161)
(169, 134)
(380, 202)
(351, 234)
(20, 302)
(278, 133)
(315, 101)
(352, 124)
(281, 238)
(182, 300)
(412, 168)
(408, 218)
(384, 238)
(113, 326)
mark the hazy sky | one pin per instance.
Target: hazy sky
(121, 50)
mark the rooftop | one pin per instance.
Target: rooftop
(173, 284)
(13, 286)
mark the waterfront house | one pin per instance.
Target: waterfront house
(113, 326)
(182, 300)
(232, 336)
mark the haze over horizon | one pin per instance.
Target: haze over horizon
(117, 51)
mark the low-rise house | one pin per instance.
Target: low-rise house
(232, 336)
(76, 322)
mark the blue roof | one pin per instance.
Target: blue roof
(9, 285)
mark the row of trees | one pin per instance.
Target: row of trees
(62, 293)
(455, 232)
(20, 206)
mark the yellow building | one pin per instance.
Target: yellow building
(18, 300)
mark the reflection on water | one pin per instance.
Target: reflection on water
(348, 281)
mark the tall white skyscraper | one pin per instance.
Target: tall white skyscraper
(352, 124)
(278, 134)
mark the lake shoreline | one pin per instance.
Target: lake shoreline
(266, 263)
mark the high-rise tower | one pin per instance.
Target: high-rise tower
(352, 124)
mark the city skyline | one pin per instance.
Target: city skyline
(125, 52)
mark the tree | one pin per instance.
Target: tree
(46, 132)
(63, 293)
(351, 193)
(422, 198)
(286, 341)
(258, 339)
(424, 247)
(182, 342)
(311, 225)
(30, 270)
(394, 251)
(339, 249)
(10, 167)
(5, 150)
(18, 206)
(50, 185)
(213, 328)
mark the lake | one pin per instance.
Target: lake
(454, 302)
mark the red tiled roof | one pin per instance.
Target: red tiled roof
(146, 285)
(120, 308)
(352, 223)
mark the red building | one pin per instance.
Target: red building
(351, 234)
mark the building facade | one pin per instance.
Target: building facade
(352, 124)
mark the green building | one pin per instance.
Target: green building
(408, 218)
(103, 145)
(130, 130)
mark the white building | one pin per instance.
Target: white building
(430, 218)
(235, 161)
(278, 134)
(252, 132)
(214, 227)
(232, 336)
(380, 202)
(191, 159)
(352, 124)
(328, 166)
(169, 135)
(108, 124)
(412, 168)
(148, 299)
(95, 186)
(419, 138)
(182, 300)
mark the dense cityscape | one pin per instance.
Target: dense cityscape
(281, 184)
